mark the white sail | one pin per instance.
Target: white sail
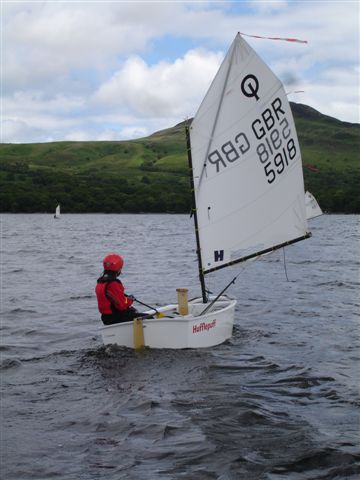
(312, 207)
(247, 170)
(57, 212)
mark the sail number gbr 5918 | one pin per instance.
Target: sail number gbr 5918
(277, 148)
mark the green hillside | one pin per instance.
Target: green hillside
(151, 174)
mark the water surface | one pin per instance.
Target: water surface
(280, 400)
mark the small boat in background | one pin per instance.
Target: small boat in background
(312, 207)
(57, 212)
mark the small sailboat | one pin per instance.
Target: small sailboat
(57, 211)
(248, 197)
(312, 207)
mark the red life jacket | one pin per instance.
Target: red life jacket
(111, 297)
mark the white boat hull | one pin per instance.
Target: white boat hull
(176, 331)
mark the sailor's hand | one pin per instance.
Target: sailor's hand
(131, 297)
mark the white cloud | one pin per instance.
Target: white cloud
(268, 5)
(333, 94)
(164, 89)
(107, 135)
(15, 129)
(32, 113)
(133, 132)
(109, 69)
(46, 40)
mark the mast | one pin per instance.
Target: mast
(194, 212)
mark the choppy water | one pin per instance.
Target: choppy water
(280, 400)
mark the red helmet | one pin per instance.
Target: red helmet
(113, 262)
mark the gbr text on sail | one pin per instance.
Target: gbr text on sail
(270, 140)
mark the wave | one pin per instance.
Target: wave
(304, 381)
(338, 283)
(80, 297)
(327, 463)
(22, 310)
(9, 363)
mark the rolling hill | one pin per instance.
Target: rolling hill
(151, 174)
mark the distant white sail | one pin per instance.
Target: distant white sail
(247, 169)
(57, 212)
(312, 207)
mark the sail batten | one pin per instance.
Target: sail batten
(217, 115)
(243, 136)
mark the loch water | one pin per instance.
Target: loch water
(278, 401)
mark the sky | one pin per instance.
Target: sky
(119, 70)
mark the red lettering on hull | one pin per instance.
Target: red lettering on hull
(202, 327)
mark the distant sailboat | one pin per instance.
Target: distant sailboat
(312, 207)
(57, 212)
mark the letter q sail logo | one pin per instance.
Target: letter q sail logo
(250, 86)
